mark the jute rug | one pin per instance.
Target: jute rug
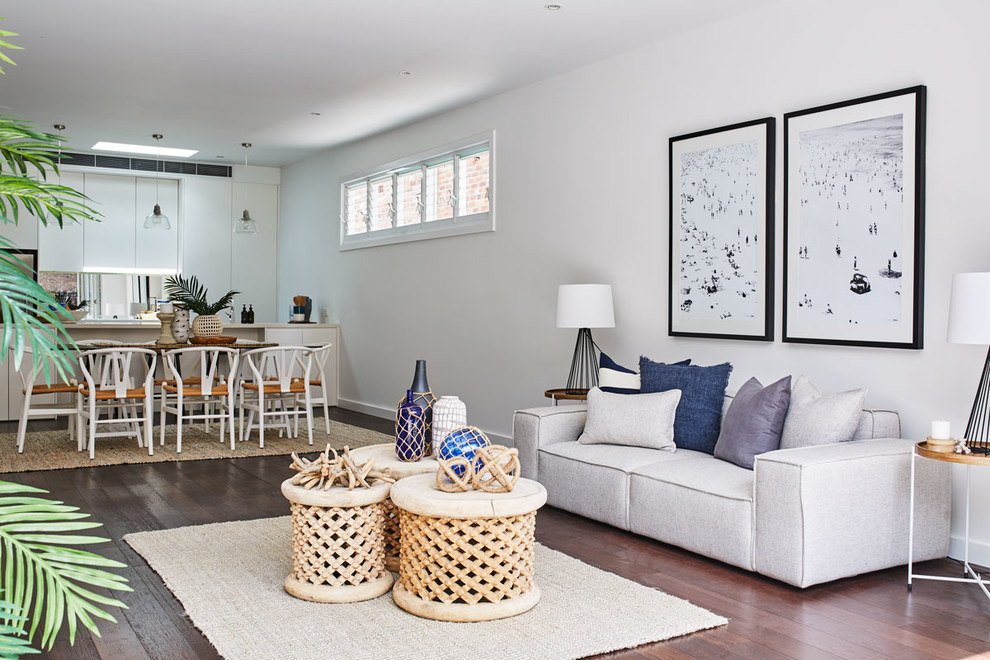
(52, 450)
(229, 577)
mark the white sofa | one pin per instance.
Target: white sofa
(803, 516)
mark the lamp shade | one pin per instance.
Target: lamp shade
(585, 306)
(969, 309)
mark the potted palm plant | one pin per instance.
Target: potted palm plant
(46, 580)
(190, 293)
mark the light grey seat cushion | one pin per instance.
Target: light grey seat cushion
(593, 480)
(704, 505)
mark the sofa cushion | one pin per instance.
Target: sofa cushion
(753, 422)
(593, 480)
(814, 418)
(614, 378)
(638, 420)
(703, 505)
(699, 413)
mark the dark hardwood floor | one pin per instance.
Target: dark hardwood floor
(871, 616)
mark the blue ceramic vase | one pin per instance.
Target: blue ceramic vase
(410, 427)
(424, 398)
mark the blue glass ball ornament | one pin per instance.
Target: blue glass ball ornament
(462, 442)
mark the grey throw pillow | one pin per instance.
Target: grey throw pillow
(753, 422)
(820, 419)
(634, 420)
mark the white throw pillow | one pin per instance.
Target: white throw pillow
(814, 418)
(634, 420)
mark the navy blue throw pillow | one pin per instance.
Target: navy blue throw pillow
(699, 414)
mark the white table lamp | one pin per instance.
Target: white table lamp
(584, 306)
(969, 323)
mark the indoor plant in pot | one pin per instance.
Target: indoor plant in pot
(192, 294)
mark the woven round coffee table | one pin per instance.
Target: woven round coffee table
(338, 543)
(466, 556)
(385, 459)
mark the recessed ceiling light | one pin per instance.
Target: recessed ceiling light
(316, 114)
(552, 7)
(144, 149)
(221, 156)
(405, 73)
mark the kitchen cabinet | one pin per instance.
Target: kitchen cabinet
(206, 234)
(61, 248)
(119, 242)
(156, 251)
(253, 256)
(108, 245)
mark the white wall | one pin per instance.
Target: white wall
(582, 197)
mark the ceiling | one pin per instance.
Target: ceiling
(300, 76)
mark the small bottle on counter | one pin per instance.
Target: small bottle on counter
(250, 314)
(244, 314)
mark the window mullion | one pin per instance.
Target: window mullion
(367, 206)
(455, 189)
(422, 194)
(395, 200)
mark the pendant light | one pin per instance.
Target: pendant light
(245, 224)
(58, 199)
(156, 219)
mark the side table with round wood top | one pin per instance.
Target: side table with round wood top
(563, 394)
(466, 556)
(338, 553)
(385, 459)
(924, 450)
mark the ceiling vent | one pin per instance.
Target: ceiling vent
(146, 165)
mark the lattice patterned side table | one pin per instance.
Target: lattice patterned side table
(466, 556)
(385, 459)
(338, 543)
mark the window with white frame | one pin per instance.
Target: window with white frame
(444, 192)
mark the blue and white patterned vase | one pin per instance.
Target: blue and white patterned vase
(410, 427)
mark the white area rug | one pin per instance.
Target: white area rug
(229, 578)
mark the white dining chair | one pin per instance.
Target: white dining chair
(120, 379)
(277, 377)
(320, 356)
(208, 382)
(43, 387)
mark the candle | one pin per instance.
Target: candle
(165, 307)
(940, 430)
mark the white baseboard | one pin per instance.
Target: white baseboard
(389, 413)
(979, 553)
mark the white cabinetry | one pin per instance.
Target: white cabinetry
(61, 248)
(119, 242)
(156, 251)
(108, 245)
(206, 239)
(253, 256)
(312, 337)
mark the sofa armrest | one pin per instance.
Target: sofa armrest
(834, 511)
(537, 427)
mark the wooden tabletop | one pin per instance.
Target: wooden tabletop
(158, 348)
(564, 394)
(922, 449)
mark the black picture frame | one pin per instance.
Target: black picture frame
(854, 222)
(721, 231)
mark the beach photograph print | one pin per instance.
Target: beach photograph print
(853, 224)
(721, 232)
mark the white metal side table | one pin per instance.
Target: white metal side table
(969, 460)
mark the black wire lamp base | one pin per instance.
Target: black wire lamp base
(978, 427)
(584, 364)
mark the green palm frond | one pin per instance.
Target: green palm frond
(13, 643)
(192, 294)
(31, 317)
(28, 157)
(41, 576)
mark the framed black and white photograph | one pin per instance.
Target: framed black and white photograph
(721, 232)
(854, 202)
